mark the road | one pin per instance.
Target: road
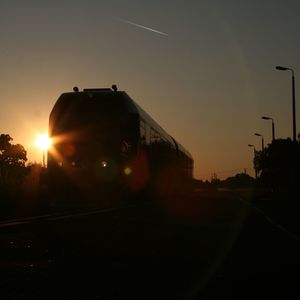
(211, 245)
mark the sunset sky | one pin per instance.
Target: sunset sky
(204, 70)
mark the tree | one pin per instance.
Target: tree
(4, 142)
(15, 155)
(279, 163)
(257, 162)
(12, 159)
(241, 180)
(215, 181)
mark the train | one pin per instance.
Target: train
(103, 140)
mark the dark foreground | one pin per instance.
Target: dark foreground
(212, 245)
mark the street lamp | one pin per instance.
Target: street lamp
(273, 127)
(254, 152)
(262, 141)
(293, 95)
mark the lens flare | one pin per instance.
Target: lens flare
(42, 141)
(127, 171)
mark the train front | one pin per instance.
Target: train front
(94, 134)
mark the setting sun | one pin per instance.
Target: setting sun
(42, 141)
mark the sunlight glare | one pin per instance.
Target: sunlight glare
(42, 141)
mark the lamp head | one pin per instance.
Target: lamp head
(281, 68)
(267, 118)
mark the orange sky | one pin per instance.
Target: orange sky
(207, 80)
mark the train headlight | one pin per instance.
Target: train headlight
(105, 169)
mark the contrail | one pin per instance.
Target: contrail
(143, 27)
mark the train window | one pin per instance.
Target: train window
(147, 134)
(154, 136)
(157, 137)
(143, 131)
(151, 135)
(132, 130)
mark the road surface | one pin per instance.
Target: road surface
(211, 245)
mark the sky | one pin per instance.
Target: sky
(204, 70)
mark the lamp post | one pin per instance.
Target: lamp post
(254, 152)
(293, 98)
(273, 126)
(262, 141)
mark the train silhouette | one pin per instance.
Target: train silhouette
(103, 140)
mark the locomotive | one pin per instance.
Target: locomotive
(103, 140)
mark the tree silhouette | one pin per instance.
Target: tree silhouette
(4, 142)
(258, 162)
(215, 181)
(241, 180)
(12, 159)
(279, 163)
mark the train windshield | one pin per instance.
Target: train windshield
(85, 110)
(88, 121)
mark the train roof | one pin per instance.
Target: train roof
(116, 99)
